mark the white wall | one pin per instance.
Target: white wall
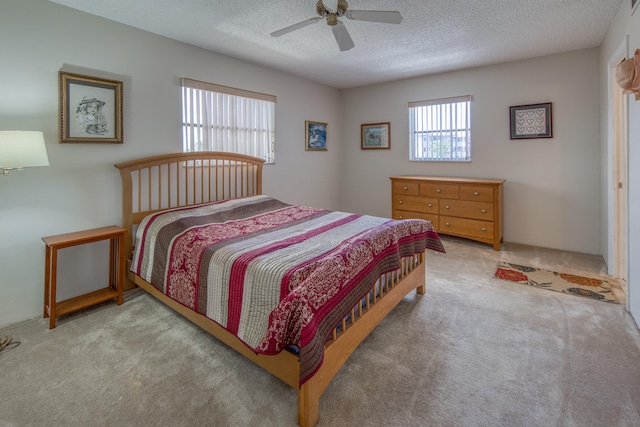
(624, 26)
(81, 188)
(552, 189)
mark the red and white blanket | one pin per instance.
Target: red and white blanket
(271, 273)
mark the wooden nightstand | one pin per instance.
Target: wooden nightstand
(115, 235)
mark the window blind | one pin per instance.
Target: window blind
(440, 129)
(222, 118)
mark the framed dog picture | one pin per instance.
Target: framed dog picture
(90, 109)
(375, 136)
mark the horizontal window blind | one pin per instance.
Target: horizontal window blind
(222, 118)
(440, 129)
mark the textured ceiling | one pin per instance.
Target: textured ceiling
(434, 36)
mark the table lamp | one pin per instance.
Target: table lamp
(21, 149)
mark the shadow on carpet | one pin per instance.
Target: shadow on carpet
(587, 287)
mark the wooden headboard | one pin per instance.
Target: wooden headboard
(157, 183)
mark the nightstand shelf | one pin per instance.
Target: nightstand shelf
(53, 308)
(84, 301)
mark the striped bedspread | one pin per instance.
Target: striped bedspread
(271, 273)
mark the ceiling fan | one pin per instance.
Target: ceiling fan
(334, 9)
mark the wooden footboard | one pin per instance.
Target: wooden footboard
(162, 182)
(388, 291)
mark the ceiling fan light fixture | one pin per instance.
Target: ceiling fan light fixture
(326, 10)
(330, 5)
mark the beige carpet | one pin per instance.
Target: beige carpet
(473, 351)
(597, 288)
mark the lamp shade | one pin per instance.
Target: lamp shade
(21, 149)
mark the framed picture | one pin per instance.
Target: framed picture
(90, 109)
(531, 121)
(634, 6)
(375, 136)
(315, 136)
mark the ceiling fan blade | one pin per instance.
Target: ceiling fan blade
(295, 27)
(342, 36)
(385, 17)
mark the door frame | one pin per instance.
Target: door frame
(617, 173)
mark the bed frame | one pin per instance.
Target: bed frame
(161, 182)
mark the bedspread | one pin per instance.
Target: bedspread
(271, 273)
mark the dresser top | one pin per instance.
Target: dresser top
(458, 180)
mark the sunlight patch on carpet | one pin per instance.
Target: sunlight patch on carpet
(586, 287)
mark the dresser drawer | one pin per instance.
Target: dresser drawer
(415, 204)
(476, 193)
(398, 214)
(442, 191)
(406, 188)
(466, 227)
(461, 208)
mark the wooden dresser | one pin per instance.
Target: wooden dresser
(464, 207)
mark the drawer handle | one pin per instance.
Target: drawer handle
(405, 188)
(484, 228)
(483, 210)
(438, 190)
(401, 217)
(399, 202)
(430, 205)
(475, 193)
(447, 224)
(446, 207)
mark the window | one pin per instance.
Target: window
(440, 129)
(220, 118)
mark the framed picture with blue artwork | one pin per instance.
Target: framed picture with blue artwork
(315, 136)
(531, 121)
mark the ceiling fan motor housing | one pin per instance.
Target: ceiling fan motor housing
(332, 18)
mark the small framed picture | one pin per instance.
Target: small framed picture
(90, 109)
(375, 136)
(531, 121)
(315, 136)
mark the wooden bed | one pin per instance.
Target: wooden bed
(157, 183)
